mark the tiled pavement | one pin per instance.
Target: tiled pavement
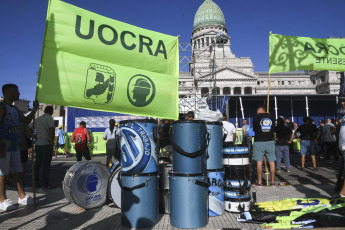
(55, 212)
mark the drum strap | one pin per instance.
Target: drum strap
(133, 188)
(193, 154)
(201, 183)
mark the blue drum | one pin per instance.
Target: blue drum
(139, 146)
(189, 143)
(139, 200)
(216, 192)
(214, 152)
(236, 156)
(188, 200)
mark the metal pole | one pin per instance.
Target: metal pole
(306, 105)
(242, 110)
(276, 108)
(236, 115)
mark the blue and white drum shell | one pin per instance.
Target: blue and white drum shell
(235, 194)
(139, 207)
(86, 183)
(214, 151)
(237, 183)
(216, 192)
(138, 145)
(237, 205)
(114, 189)
(235, 172)
(235, 150)
(190, 136)
(188, 200)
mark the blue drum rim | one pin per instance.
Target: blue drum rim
(237, 200)
(139, 120)
(187, 174)
(138, 174)
(216, 170)
(213, 123)
(189, 121)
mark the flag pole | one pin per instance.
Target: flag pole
(268, 110)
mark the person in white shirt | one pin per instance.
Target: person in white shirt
(230, 131)
(110, 135)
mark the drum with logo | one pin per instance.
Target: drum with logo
(188, 200)
(216, 192)
(139, 199)
(189, 142)
(235, 202)
(139, 146)
(214, 152)
(85, 184)
(114, 189)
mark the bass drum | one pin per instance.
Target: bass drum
(85, 184)
(114, 187)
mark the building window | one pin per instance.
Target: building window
(237, 90)
(202, 42)
(282, 82)
(226, 90)
(204, 90)
(207, 41)
(258, 83)
(248, 90)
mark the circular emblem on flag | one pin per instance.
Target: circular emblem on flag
(140, 90)
(135, 148)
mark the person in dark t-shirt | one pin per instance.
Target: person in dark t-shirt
(263, 126)
(309, 135)
(283, 137)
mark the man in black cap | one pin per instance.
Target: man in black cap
(190, 115)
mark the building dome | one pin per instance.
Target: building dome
(208, 13)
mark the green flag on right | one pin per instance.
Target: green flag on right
(289, 53)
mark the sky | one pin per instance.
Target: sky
(249, 23)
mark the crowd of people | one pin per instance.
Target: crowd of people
(269, 140)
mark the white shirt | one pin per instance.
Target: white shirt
(111, 137)
(327, 130)
(42, 126)
(230, 130)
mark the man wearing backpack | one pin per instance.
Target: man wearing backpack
(81, 137)
(9, 152)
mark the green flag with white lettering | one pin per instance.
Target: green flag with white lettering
(90, 61)
(288, 53)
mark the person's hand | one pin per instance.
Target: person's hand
(289, 142)
(299, 140)
(35, 104)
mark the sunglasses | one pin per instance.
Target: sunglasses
(191, 116)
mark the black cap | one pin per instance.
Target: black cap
(322, 121)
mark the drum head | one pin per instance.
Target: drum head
(114, 187)
(87, 184)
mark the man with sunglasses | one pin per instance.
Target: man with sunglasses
(190, 116)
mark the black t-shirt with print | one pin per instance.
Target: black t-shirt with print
(263, 126)
(283, 134)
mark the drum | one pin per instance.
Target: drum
(216, 192)
(237, 204)
(85, 184)
(214, 152)
(236, 150)
(236, 159)
(114, 189)
(139, 146)
(189, 143)
(188, 200)
(237, 184)
(164, 175)
(236, 172)
(139, 200)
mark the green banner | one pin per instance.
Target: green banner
(288, 53)
(90, 61)
(97, 144)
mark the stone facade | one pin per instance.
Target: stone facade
(214, 66)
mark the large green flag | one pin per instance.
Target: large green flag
(90, 61)
(288, 53)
